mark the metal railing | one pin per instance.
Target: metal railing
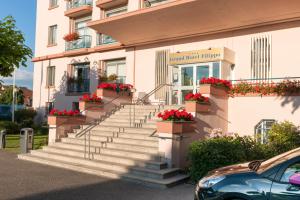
(77, 3)
(269, 80)
(78, 85)
(85, 41)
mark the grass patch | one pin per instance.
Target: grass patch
(13, 142)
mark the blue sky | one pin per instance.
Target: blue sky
(24, 13)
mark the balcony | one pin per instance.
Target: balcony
(85, 41)
(104, 40)
(188, 18)
(106, 4)
(78, 85)
(77, 8)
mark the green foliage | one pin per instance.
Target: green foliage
(11, 127)
(213, 153)
(283, 137)
(7, 96)
(25, 117)
(13, 51)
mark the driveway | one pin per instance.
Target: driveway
(24, 180)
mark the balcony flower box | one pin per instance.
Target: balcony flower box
(214, 86)
(113, 90)
(87, 102)
(196, 103)
(59, 118)
(175, 122)
(71, 37)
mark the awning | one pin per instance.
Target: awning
(187, 18)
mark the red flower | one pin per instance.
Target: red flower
(216, 82)
(88, 98)
(113, 86)
(196, 97)
(55, 112)
(175, 115)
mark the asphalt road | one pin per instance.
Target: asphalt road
(22, 180)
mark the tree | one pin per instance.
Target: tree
(13, 51)
(6, 97)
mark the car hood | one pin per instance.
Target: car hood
(232, 169)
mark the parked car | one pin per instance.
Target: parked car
(275, 179)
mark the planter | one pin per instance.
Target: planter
(213, 90)
(172, 127)
(66, 120)
(94, 106)
(193, 106)
(104, 93)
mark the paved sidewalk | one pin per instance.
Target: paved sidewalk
(29, 181)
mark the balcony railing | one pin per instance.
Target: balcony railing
(104, 39)
(85, 41)
(151, 3)
(77, 3)
(78, 85)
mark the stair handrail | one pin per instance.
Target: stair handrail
(149, 94)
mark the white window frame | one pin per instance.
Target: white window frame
(50, 77)
(115, 11)
(52, 35)
(262, 125)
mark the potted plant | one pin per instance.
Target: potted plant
(175, 122)
(112, 78)
(196, 103)
(214, 86)
(71, 37)
(57, 117)
(93, 102)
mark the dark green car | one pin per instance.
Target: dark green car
(275, 179)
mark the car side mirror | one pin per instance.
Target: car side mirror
(295, 179)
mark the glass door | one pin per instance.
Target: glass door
(186, 78)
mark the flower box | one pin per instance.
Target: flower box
(213, 90)
(94, 106)
(107, 93)
(66, 120)
(194, 106)
(175, 127)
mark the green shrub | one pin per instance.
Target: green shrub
(25, 117)
(283, 137)
(213, 153)
(11, 127)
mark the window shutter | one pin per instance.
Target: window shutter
(162, 73)
(70, 71)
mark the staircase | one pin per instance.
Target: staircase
(114, 149)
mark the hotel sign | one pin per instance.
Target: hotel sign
(201, 56)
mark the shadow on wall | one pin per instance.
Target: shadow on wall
(66, 94)
(294, 100)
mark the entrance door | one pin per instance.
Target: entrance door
(186, 78)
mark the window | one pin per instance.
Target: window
(49, 107)
(261, 67)
(187, 76)
(117, 67)
(290, 171)
(79, 78)
(262, 129)
(52, 38)
(115, 11)
(75, 106)
(50, 76)
(53, 3)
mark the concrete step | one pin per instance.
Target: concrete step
(164, 183)
(125, 124)
(111, 151)
(125, 129)
(103, 144)
(151, 164)
(144, 141)
(105, 165)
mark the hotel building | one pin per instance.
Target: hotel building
(149, 43)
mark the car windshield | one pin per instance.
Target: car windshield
(267, 164)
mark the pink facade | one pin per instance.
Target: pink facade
(259, 45)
